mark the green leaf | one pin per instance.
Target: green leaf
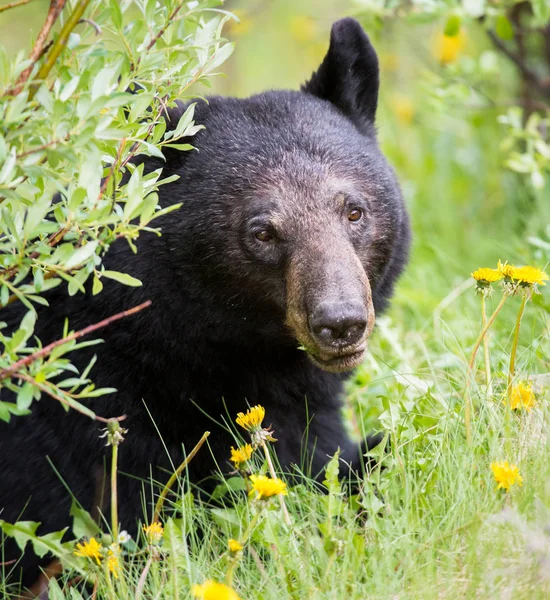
(82, 254)
(36, 213)
(25, 531)
(69, 88)
(8, 167)
(452, 26)
(25, 396)
(332, 471)
(123, 278)
(232, 484)
(185, 120)
(221, 56)
(83, 524)
(504, 28)
(97, 285)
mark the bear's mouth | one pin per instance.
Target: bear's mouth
(339, 363)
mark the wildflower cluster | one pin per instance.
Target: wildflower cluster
(265, 487)
(506, 475)
(514, 278)
(241, 455)
(252, 422)
(90, 549)
(518, 396)
(522, 397)
(261, 488)
(153, 532)
(96, 553)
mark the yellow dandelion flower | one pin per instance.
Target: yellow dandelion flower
(526, 275)
(90, 549)
(252, 419)
(485, 275)
(211, 590)
(265, 487)
(506, 475)
(522, 396)
(241, 454)
(234, 546)
(153, 532)
(112, 563)
(506, 269)
(447, 48)
(530, 275)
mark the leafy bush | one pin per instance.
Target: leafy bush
(74, 116)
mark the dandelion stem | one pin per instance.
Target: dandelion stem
(467, 398)
(175, 475)
(274, 476)
(512, 368)
(114, 493)
(486, 350)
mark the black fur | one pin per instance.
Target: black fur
(215, 334)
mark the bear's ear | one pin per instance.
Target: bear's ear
(349, 75)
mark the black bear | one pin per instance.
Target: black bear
(292, 234)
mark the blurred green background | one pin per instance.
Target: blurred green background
(439, 103)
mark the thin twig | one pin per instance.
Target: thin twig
(527, 72)
(92, 23)
(40, 148)
(59, 43)
(175, 475)
(56, 6)
(14, 5)
(23, 362)
(163, 29)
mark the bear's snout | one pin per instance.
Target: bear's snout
(329, 304)
(338, 324)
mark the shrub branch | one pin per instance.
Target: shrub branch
(24, 362)
(14, 5)
(56, 6)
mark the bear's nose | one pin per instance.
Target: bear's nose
(338, 323)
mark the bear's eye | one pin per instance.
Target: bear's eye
(355, 214)
(263, 235)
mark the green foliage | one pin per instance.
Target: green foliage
(65, 145)
(518, 30)
(533, 157)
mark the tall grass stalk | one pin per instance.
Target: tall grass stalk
(274, 476)
(513, 353)
(486, 354)
(467, 397)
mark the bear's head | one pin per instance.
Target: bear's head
(293, 224)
